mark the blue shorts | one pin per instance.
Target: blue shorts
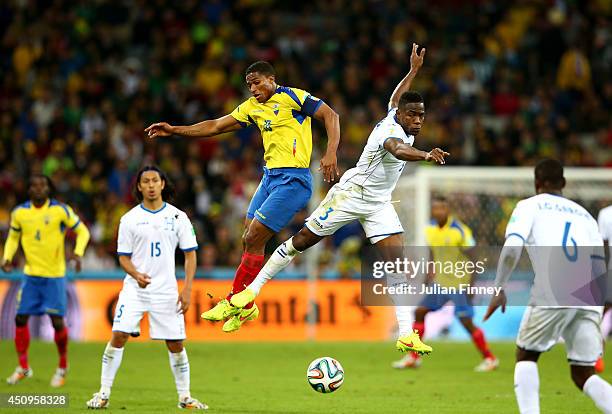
(463, 306)
(40, 295)
(282, 192)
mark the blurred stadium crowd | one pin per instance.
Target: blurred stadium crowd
(80, 80)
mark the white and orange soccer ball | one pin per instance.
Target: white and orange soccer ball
(325, 375)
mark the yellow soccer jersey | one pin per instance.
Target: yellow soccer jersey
(447, 244)
(285, 124)
(42, 232)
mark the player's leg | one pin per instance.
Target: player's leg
(179, 364)
(326, 219)
(128, 313)
(539, 331)
(111, 361)
(527, 381)
(583, 343)
(55, 307)
(61, 341)
(289, 192)
(165, 323)
(279, 260)
(29, 302)
(489, 362)
(412, 359)
(223, 310)
(383, 228)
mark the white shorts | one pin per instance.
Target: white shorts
(165, 322)
(378, 219)
(541, 329)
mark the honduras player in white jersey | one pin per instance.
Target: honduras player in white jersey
(364, 193)
(604, 219)
(539, 223)
(148, 237)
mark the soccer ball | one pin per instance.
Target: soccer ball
(325, 375)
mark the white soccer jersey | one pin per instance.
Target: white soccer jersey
(548, 220)
(377, 170)
(604, 219)
(150, 238)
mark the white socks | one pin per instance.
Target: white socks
(111, 360)
(404, 319)
(179, 364)
(600, 392)
(527, 387)
(282, 256)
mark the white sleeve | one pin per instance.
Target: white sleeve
(605, 225)
(125, 239)
(521, 221)
(186, 234)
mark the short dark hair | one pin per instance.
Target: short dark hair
(409, 97)
(167, 192)
(49, 182)
(439, 198)
(550, 171)
(262, 67)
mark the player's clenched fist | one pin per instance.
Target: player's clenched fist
(160, 129)
(142, 279)
(437, 155)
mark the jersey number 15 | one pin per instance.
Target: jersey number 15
(155, 249)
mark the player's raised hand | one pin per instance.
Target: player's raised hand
(329, 166)
(7, 266)
(143, 279)
(496, 302)
(184, 300)
(437, 155)
(416, 59)
(160, 129)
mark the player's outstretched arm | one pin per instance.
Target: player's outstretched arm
(329, 162)
(184, 298)
(416, 61)
(127, 265)
(82, 239)
(405, 152)
(202, 129)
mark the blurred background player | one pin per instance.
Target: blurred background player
(40, 225)
(549, 219)
(282, 114)
(364, 193)
(148, 237)
(449, 239)
(604, 220)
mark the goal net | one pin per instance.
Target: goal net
(484, 197)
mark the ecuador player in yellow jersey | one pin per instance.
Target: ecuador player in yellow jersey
(283, 115)
(40, 224)
(449, 240)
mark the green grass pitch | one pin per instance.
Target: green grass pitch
(271, 378)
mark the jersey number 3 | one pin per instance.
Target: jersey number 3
(155, 249)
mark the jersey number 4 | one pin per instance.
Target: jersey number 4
(155, 249)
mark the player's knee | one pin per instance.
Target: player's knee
(119, 339)
(57, 322)
(420, 313)
(468, 324)
(21, 320)
(581, 374)
(175, 346)
(525, 355)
